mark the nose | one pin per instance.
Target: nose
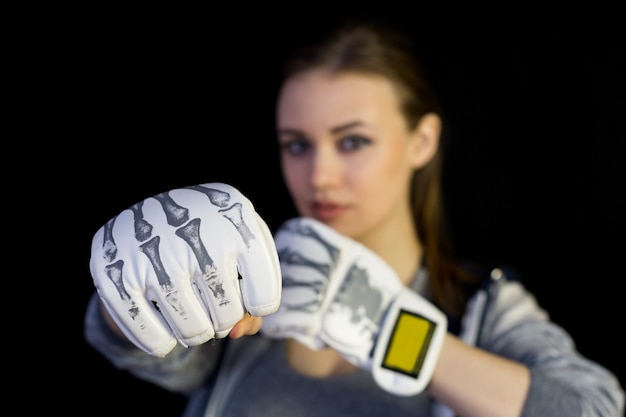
(326, 169)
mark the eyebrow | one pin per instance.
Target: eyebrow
(334, 130)
(346, 126)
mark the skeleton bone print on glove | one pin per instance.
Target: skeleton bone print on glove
(176, 217)
(182, 262)
(329, 297)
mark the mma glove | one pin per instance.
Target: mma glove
(337, 293)
(184, 266)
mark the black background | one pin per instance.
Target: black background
(143, 101)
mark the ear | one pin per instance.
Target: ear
(425, 139)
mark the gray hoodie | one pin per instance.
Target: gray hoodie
(502, 318)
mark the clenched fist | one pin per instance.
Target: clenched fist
(184, 266)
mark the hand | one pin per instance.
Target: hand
(185, 265)
(338, 293)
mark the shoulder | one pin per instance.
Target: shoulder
(513, 323)
(508, 301)
(499, 302)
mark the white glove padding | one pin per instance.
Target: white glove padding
(338, 293)
(185, 265)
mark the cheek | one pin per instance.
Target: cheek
(389, 166)
(386, 179)
(379, 185)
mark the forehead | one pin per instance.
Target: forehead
(323, 97)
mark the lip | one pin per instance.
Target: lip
(323, 210)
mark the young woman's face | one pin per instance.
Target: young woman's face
(345, 150)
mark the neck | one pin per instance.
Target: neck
(396, 242)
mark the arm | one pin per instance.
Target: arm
(183, 370)
(524, 366)
(474, 382)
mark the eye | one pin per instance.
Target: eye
(353, 143)
(295, 147)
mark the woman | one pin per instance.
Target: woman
(359, 134)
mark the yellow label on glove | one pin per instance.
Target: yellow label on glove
(408, 344)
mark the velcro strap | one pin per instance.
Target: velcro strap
(408, 344)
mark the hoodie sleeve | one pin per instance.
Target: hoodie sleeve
(563, 382)
(182, 370)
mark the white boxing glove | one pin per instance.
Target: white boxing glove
(338, 293)
(185, 265)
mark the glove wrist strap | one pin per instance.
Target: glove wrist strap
(408, 345)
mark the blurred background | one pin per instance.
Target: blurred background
(534, 175)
